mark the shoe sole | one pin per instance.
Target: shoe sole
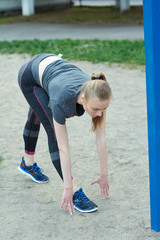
(29, 175)
(85, 211)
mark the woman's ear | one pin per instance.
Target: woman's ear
(83, 100)
(82, 97)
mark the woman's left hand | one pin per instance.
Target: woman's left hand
(103, 183)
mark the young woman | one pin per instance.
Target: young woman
(55, 90)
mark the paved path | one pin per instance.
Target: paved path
(43, 31)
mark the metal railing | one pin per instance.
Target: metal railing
(104, 2)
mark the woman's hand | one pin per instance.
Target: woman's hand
(103, 183)
(67, 200)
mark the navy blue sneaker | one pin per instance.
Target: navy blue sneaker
(33, 172)
(82, 203)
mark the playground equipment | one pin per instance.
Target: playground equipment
(151, 11)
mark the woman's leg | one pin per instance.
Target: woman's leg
(38, 100)
(30, 136)
(40, 107)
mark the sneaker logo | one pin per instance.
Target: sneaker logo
(76, 201)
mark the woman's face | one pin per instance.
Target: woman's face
(95, 107)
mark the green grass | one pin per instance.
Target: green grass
(118, 51)
(101, 15)
(1, 159)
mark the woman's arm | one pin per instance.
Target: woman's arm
(63, 145)
(101, 146)
(102, 180)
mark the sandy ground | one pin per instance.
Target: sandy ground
(32, 211)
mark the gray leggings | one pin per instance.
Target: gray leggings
(39, 112)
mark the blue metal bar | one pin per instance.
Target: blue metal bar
(151, 15)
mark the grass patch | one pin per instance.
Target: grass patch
(117, 51)
(1, 159)
(102, 15)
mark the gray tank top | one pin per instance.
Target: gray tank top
(63, 82)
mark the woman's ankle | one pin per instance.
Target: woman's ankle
(29, 159)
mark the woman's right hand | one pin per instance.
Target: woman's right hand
(67, 200)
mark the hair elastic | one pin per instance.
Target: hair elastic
(96, 78)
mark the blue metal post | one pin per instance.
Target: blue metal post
(151, 15)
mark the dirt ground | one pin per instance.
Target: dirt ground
(32, 211)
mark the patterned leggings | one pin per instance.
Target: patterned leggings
(39, 112)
